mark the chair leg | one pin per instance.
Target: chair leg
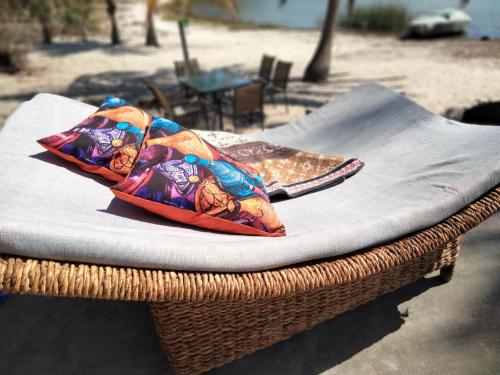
(286, 102)
(192, 121)
(235, 128)
(202, 107)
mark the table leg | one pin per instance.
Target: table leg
(203, 105)
(218, 103)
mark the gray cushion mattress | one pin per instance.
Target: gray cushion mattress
(420, 169)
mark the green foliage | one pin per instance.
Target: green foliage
(22, 20)
(75, 12)
(64, 16)
(389, 17)
(75, 17)
(12, 11)
(40, 9)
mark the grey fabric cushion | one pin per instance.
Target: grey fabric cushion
(420, 169)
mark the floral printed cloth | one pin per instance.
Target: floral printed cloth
(285, 171)
(181, 177)
(105, 143)
(290, 172)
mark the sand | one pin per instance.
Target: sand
(437, 74)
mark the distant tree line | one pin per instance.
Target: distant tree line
(71, 17)
(65, 16)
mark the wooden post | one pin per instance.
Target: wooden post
(185, 51)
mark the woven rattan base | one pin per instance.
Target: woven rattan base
(198, 336)
(206, 319)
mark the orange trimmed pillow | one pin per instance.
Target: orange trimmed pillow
(105, 143)
(183, 178)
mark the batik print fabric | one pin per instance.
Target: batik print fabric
(181, 177)
(107, 142)
(288, 171)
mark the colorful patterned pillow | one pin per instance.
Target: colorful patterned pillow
(183, 178)
(105, 143)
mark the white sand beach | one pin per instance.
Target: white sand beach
(438, 74)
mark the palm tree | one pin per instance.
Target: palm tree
(319, 67)
(115, 33)
(151, 39)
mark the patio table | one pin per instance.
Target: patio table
(213, 83)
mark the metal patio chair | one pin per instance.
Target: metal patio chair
(279, 81)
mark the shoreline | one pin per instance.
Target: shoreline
(211, 13)
(240, 24)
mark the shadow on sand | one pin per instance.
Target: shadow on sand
(94, 336)
(91, 88)
(70, 48)
(335, 340)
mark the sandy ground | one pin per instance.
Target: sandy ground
(437, 74)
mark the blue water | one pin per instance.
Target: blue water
(309, 14)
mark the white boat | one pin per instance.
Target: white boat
(444, 22)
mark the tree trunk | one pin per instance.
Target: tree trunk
(185, 51)
(151, 39)
(350, 8)
(319, 67)
(115, 33)
(46, 31)
(45, 12)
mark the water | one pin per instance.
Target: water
(309, 14)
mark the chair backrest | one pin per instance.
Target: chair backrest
(248, 98)
(191, 68)
(282, 74)
(168, 110)
(266, 67)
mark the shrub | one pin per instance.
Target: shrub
(16, 36)
(387, 17)
(75, 17)
(14, 45)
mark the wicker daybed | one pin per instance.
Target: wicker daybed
(206, 318)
